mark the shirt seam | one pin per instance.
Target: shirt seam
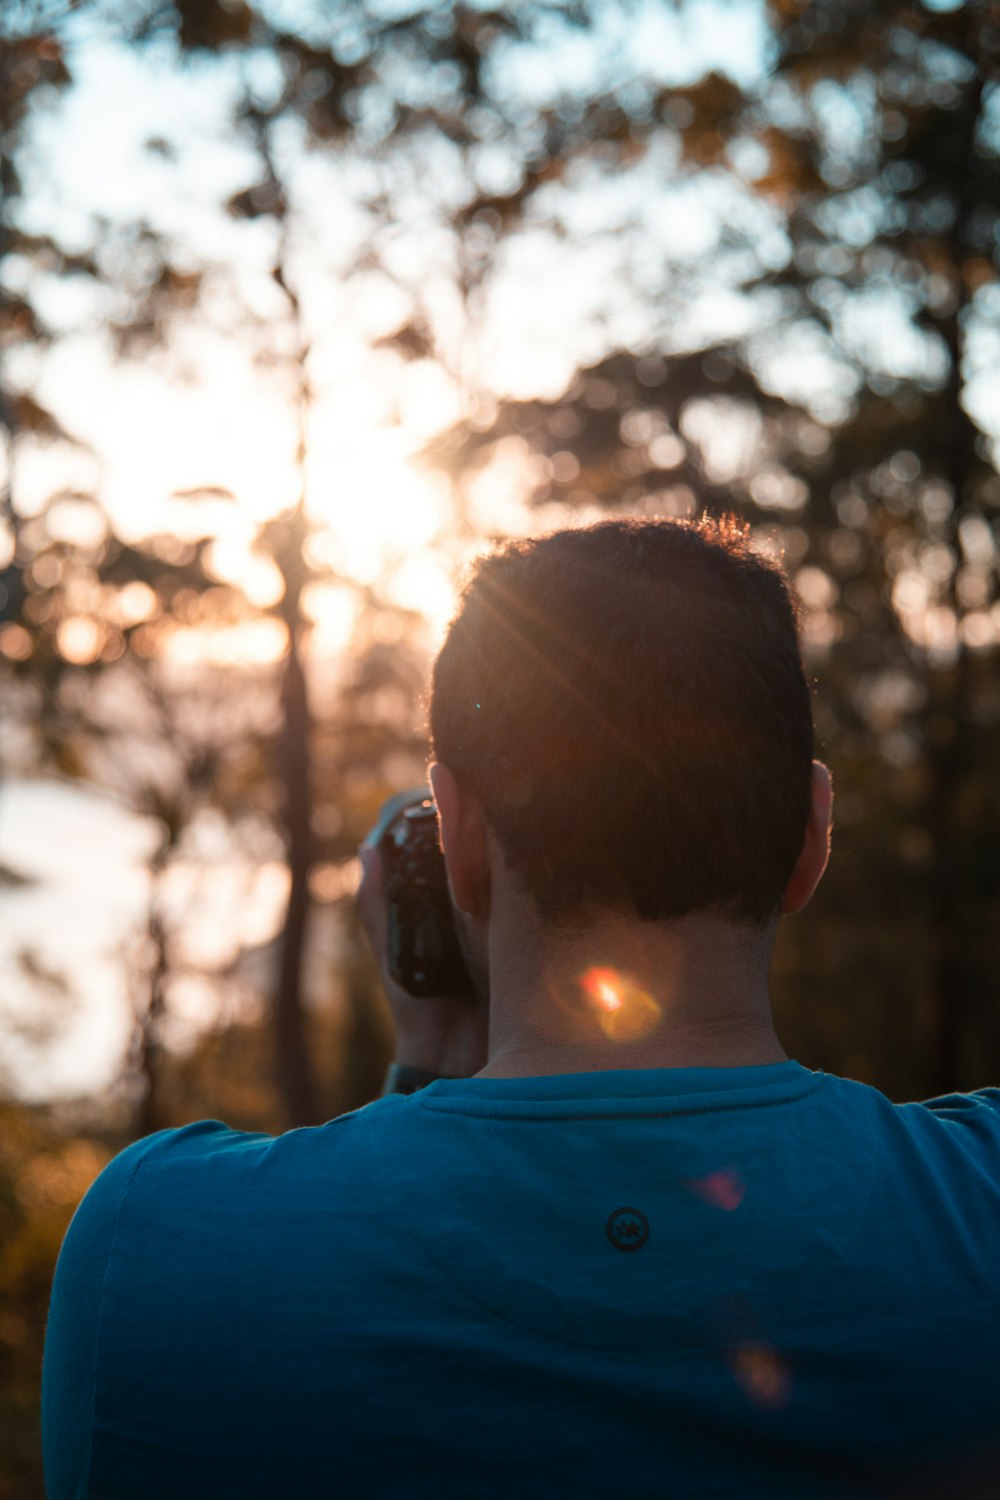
(88, 1468)
(524, 1111)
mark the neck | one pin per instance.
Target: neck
(617, 993)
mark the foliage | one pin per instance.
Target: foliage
(43, 1174)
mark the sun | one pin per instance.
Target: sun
(385, 521)
(172, 452)
(374, 502)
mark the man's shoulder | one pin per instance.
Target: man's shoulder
(204, 1143)
(947, 1143)
(210, 1163)
(978, 1109)
(966, 1124)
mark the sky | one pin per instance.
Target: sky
(83, 914)
(52, 834)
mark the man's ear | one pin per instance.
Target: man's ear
(463, 839)
(811, 862)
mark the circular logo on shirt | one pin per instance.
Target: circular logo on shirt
(628, 1229)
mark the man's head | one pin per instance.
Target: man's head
(626, 704)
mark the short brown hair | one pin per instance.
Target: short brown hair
(628, 702)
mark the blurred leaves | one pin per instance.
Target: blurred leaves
(44, 1172)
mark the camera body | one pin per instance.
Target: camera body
(422, 949)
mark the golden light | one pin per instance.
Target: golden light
(623, 1009)
(228, 431)
(251, 643)
(134, 603)
(15, 642)
(80, 640)
(232, 560)
(63, 1179)
(332, 882)
(332, 610)
(425, 583)
(376, 504)
(978, 630)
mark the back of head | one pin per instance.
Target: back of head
(628, 703)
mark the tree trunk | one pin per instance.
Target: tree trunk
(295, 1073)
(149, 1114)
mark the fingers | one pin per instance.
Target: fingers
(370, 898)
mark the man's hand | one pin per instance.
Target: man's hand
(445, 1035)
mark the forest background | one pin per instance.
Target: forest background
(301, 305)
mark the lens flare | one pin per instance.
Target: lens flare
(762, 1374)
(624, 1011)
(723, 1189)
(602, 985)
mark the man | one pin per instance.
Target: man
(612, 1241)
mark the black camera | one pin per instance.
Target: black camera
(423, 954)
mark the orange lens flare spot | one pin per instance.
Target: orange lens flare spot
(602, 985)
(762, 1374)
(623, 1010)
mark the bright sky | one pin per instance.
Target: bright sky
(83, 919)
(51, 834)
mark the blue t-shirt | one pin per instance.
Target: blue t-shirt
(756, 1281)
